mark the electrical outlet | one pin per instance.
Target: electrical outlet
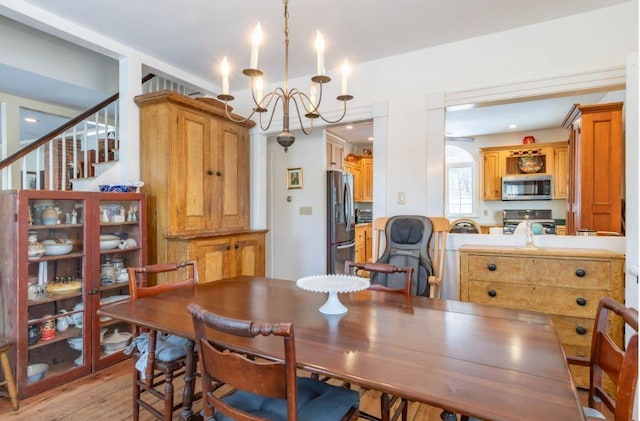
(305, 210)
(402, 198)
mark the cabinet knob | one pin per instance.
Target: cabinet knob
(581, 301)
(209, 172)
(580, 330)
(219, 173)
(492, 293)
(491, 266)
(236, 246)
(228, 247)
(580, 273)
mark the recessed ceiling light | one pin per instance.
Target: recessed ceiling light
(370, 138)
(349, 127)
(30, 120)
(461, 107)
(512, 126)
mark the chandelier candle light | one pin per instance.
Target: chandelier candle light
(262, 102)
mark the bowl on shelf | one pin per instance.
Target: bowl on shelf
(108, 241)
(530, 164)
(36, 372)
(75, 343)
(120, 188)
(117, 341)
(57, 247)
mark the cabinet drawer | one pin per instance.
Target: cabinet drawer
(550, 300)
(569, 329)
(590, 274)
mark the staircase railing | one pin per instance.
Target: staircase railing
(76, 149)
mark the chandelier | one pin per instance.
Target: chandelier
(304, 104)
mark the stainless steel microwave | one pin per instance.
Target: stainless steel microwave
(526, 187)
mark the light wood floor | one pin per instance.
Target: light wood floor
(106, 396)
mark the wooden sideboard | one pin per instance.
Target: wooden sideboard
(564, 283)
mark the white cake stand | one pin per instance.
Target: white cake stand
(333, 284)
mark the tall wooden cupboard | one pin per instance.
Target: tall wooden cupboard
(594, 199)
(195, 166)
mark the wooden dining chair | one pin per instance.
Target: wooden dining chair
(353, 268)
(162, 366)
(379, 225)
(620, 366)
(261, 389)
(465, 226)
(387, 403)
(437, 251)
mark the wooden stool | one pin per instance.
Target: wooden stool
(8, 374)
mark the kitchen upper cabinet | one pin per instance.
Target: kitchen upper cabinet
(498, 161)
(560, 171)
(366, 165)
(335, 155)
(361, 167)
(492, 172)
(595, 171)
(354, 168)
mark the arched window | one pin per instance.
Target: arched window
(460, 182)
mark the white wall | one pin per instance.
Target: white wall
(37, 52)
(299, 241)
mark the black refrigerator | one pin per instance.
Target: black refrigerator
(341, 244)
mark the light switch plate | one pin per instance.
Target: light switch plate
(305, 210)
(402, 198)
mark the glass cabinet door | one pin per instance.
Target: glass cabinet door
(54, 283)
(119, 239)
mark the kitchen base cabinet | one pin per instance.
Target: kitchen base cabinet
(52, 283)
(222, 255)
(364, 242)
(567, 284)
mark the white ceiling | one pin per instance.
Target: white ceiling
(195, 35)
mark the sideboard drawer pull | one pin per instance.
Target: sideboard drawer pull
(581, 330)
(580, 273)
(492, 293)
(491, 266)
(581, 301)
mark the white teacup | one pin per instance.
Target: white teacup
(128, 243)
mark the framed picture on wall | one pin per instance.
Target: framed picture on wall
(294, 178)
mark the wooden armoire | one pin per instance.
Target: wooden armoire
(194, 162)
(594, 199)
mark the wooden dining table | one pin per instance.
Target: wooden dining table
(485, 361)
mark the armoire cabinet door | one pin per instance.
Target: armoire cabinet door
(195, 168)
(234, 189)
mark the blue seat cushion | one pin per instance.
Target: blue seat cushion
(317, 401)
